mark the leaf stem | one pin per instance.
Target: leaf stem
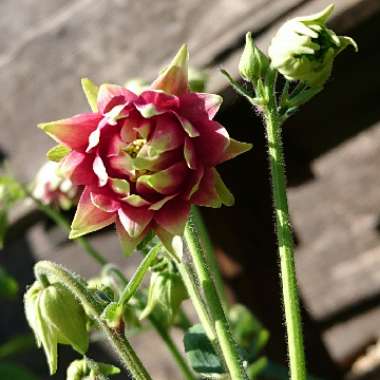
(138, 276)
(216, 312)
(285, 242)
(118, 342)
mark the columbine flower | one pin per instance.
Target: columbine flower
(50, 188)
(304, 48)
(144, 159)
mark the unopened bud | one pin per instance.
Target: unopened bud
(304, 49)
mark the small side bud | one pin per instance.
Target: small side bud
(197, 80)
(55, 316)
(253, 62)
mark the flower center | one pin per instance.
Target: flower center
(134, 147)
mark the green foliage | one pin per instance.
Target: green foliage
(15, 372)
(10, 192)
(247, 331)
(201, 354)
(16, 345)
(8, 285)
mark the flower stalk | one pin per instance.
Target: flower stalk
(273, 123)
(220, 323)
(118, 342)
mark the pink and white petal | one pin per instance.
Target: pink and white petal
(196, 104)
(100, 171)
(73, 132)
(173, 216)
(122, 166)
(111, 95)
(151, 103)
(134, 220)
(167, 134)
(190, 154)
(207, 194)
(166, 181)
(128, 129)
(187, 126)
(174, 79)
(104, 202)
(224, 193)
(77, 167)
(212, 143)
(235, 148)
(157, 205)
(128, 244)
(194, 182)
(89, 218)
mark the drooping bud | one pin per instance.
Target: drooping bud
(56, 317)
(86, 369)
(304, 49)
(253, 62)
(166, 292)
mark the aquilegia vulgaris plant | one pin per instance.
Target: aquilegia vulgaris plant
(143, 159)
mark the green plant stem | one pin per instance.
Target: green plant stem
(285, 244)
(118, 341)
(228, 346)
(138, 276)
(210, 256)
(102, 261)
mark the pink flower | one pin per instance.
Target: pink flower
(51, 189)
(145, 159)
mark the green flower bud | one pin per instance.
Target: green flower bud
(55, 316)
(253, 62)
(304, 49)
(166, 292)
(86, 369)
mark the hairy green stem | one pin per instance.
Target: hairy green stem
(118, 341)
(285, 243)
(222, 329)
(210, 256)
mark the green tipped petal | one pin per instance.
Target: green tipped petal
(91, 90)
(224, 193)
(174, 79)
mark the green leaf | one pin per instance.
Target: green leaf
(201, 353)
(58, 152)
(247, 330)
(8, 285)
(15, 372)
